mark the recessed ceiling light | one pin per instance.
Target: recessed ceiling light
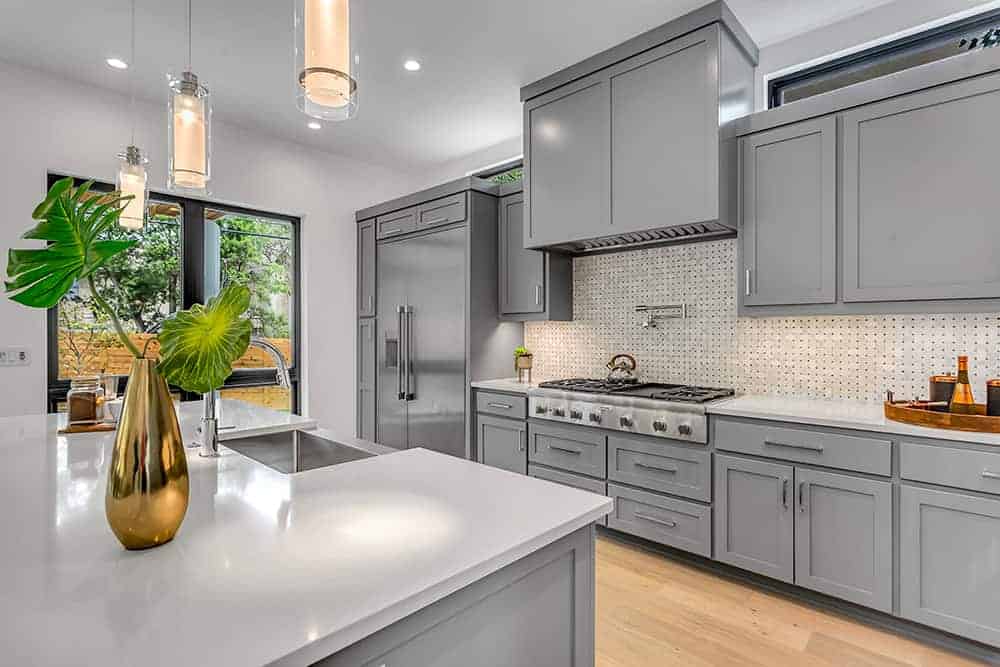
(411, 65)
(117, 63)
(313, 125)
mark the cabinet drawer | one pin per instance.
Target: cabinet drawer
(396, 223)
(848, 452)
(661, 467)
(676, 523)
(505, 405)
(442, 211)
(569, 479)
(575, 449)
(948, 466)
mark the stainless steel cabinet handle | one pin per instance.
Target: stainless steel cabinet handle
(410, 393)
(988, 474)
(435, 221)
(653, 519)
(802, 496)
(647, 466)
(791, 445)
(568, 450)
(520, 441)
(502, 406)
(747, 283)
(538, 295)
(371, 303)
(399, 354)
(784, 493)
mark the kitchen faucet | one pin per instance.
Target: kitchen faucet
(209, 424)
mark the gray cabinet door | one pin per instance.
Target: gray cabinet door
(754, 521)
(567, 165)
(522, 271)
(949, 562)
(366, 269)
(919, 195)
(843, 537)
(502, 443)
(366, 379)
(665, 135)
(788, 180)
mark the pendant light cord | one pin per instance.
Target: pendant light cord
(131, 79)
(189, 36)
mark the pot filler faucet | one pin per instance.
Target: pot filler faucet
(209, 428)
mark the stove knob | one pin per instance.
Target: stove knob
(595, 417)
(540, 409)
(659, 425)
(625, 421)
(558, 412)
(575, 414)
(684, 429)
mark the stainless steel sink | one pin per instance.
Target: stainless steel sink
(296, 451)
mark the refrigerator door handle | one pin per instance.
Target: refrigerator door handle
(410, 394)
(400, 395)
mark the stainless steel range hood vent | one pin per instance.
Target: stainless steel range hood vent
(702, 231)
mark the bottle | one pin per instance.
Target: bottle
(962, 401)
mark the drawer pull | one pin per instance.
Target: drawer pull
(784, 493)
(568, 450)
(653, 519)
(502, 406)
(647, 466)
(812, 448)
(989, 474)
(435, 221)
(391, 232)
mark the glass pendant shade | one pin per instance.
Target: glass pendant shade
(132, 181)
(326, 59)
(189, 138)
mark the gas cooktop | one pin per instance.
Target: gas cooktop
(651, 390)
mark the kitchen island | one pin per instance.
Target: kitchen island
(408, 558)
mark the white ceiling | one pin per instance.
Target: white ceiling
(475, 54)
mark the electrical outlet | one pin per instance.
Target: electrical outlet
(15, 356)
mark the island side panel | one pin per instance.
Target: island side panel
(536, 611)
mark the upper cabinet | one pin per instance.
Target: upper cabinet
(366, 268)
(789, 227)
(624, 148)
(920, 195)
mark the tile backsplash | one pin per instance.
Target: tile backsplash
(848, 357)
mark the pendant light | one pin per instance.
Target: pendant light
(326, 59)
(189, 121)
(132, 163)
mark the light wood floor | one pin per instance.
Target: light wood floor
(652, 611)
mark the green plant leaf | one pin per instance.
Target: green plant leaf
(71, 220)
(198, 346)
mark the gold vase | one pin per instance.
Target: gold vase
(147, 494)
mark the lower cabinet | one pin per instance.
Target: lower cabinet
(949, 562)
(828, 532)
(676, 523)
(574, 448)
(501, 443)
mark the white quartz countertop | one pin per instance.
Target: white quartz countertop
(510, 385)
(836, 413)
(267, 568)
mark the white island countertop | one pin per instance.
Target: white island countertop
(836, 413)
(267, 568)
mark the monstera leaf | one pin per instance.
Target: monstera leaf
(71, 220)
(198, 346)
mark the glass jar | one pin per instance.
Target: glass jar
(84, 400)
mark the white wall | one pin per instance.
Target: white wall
(47, 123)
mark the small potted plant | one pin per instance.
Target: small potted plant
(522, 362)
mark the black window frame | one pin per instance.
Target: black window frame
(193, 291)
(880, 52)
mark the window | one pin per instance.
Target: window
(928, 46)
(187, 251)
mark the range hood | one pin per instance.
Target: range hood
(690, 233)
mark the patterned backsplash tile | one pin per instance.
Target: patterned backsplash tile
(846, 357)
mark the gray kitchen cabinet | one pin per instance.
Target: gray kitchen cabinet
(534, 285)
(754, 518)
(502, 443)
(444, 211)
(396, 223)
(949, 562)
(578, 449)
(919, 204)
(567, 164)
(676, 523)
(843, 537)
(366, 268)
(366, 379)
(788, 230)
